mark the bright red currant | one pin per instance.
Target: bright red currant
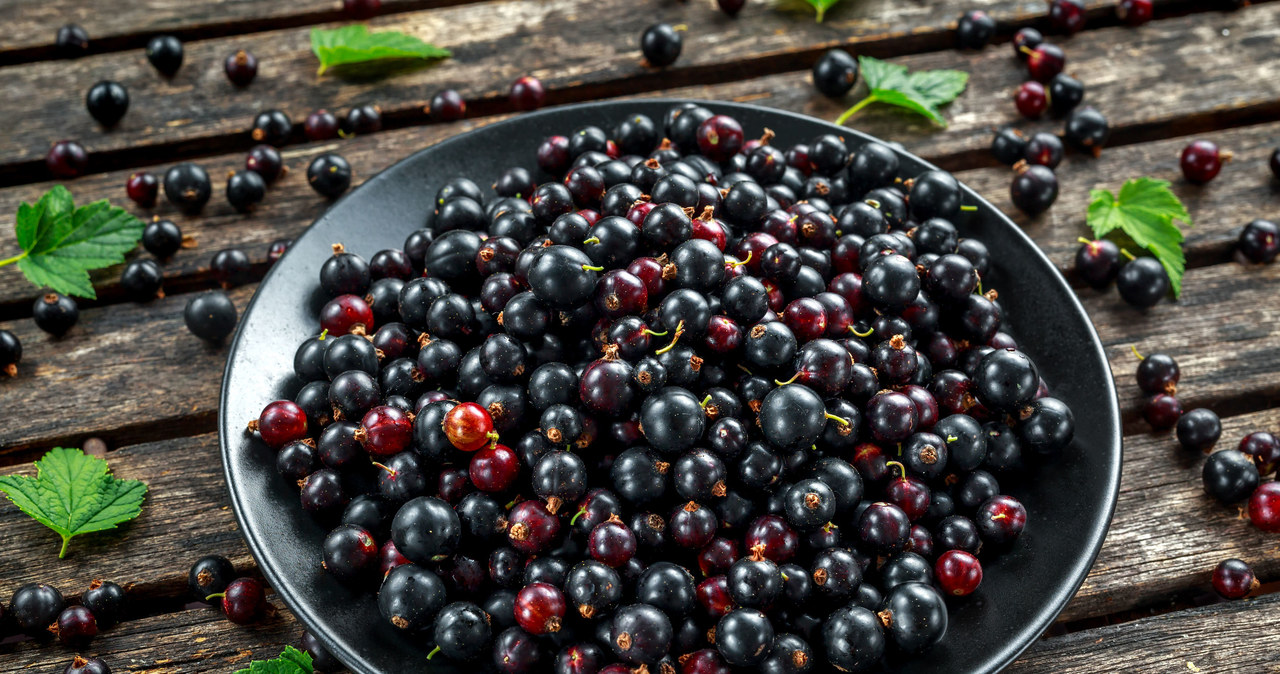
(1202, 160)
(385, 430)
(958, 572)
(280, 423)
(469, 427)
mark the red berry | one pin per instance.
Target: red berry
(347, 313)
(1264, 507)
(713, 596)
(1233, 579)
(958, 572)
(321, 125)
(447, 106)
(527, 93)
(611, 542)
(540, 608)
(1264, 448)
(280, 423)
(1201, 161)
(1135, 12)
(143, 188)
(67, 159)
(1045, 61)
(389, 557)
(243, 600)
(780, 541)
(469, 427)
(76, 626)
(720, 137)
(553, 155)
(1067, 16)
(385, 430)
(494, 468)
(532, 528)
(241, 67)
(1031, 99)
(1162, 411)
(806, 318)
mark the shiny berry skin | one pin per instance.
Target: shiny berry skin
(348, 551)
(469, 427)
(1025, 40)
(143, 188)
(1264, 507)
(1135, 12)
(1234, 579)
(540, 608)
(34, 607)
(321, 658)
(1259, 241)
(744, 637)
(321, 125)
(661, 43)
(266, 161)
(975, 29)
(347, 313)
(1000, 520)
(1031, 99)
(1142, 282)
(241, 67)
(891, 416)
(527, 93)
(272, 127)
(107, 102)
(1034, 189)
(210, 575)
(280, 423)
(211, 316)
(640, 633)
(164, 52)
(1201, 160)
(1067, 16)
(243, 600)
(105, 600)
(162, 238)
(532, 528)
(245, 189)
(10, 353)
(67, 159)
(719, 137)
(1264, 448)
(385, 430)
(1008, 146)
(884, 528)
(231, 267)
(362, 119)
(1045, 61)
(692, 525)
(187, 187)
(329, 175)
(142, 280)
(361, 9)
(780, 541)
(553, 154)
(611, 542)
(1198, 430)
(447, 105)
(1087, 130)
(1230, 476)
(1098, 262)
(835, 73)
(71, 41)
(82, 665)
(1044, 149)
(958, 572)
(494, 468)
(1158, 373)
(1065, 93)
(55, 313)
(1162, 411)
(1006, 379)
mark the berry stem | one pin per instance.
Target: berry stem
(968, 208)
(856, 106)
(587, 267)
(591, 240)
(901, 468)
(672, 345)
(580, 513)
(840, 420)
(1134, 349)
(861, 334)
(789, 381)
(433, 652)
(1083, 240)
(736, 263)
(1127, 254)
(13, 259)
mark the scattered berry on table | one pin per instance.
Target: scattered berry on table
(731, 7)
(1067, 16)
(975, 29)
(143, 188)
(1065, 93)
(447, 105)
(329, 175)
(1162, 411)
(1158, 373)
(361, 9)
(10, 353)
(265, 161)
(231, 267)
(835, 73)
(1230, 476)
(241, 67)
(187, 187)
(272, 127)
(142, 280)
(1025, 40)
(527, 93)
(1234, 579)
(1142, 282)
(1087, 130)
(34, 607)
(1264, 448)
(1009, 146)
(107, 102)
(1044, 149)
(661, 43)
(362, 119)
(1135, 12)
(1031, 99)
(71, 41)
(1259, 241)
(106, 600)
(1045, 61)
(83, 665)
(165, 54)
(276, 249)
(76, 626)
(245, 189)
(1034, 188)
(162, 238)
(211, 316)
(67, 159)
(55, 313)
(1201, 160)
(321, 125)
(1198, 429)
(210, 575)
(243, 600)
(1264, 507)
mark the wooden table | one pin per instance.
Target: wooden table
(132, 376)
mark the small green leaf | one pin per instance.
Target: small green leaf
(821, 6)
(34, 222)
(355, 44)
(1145, 211)
(291, 661)
(74, 494)
(905, 100)
(938, 87)
(921, 92)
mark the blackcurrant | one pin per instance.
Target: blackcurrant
(661, 44)
(142, 280)
(975, 29)
(1259, 241)
(34, 607)
(211, 316)
(107, 102)
(241, 67)
(187, 187)
(55, 313)
(1142, 282)
(67, 159)
(329, 175)
(1034, 189)
(835, 73)
(245, 189)
(164, 52)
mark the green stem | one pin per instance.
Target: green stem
(66, 540)
(856, 107)
(433, 652)
(13, 259)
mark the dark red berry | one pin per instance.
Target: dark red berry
(958, 572)
(532, 528)
(1031, 99)
(143, 188)
(1264, 447)
(469, 427)
(321, 125)
(347, 313)
(540, 608)
(76, 626)
(1264, 507)
(1201, 161)
(280, 423)
(1234, 579)
(266, 161)
(1067, 16)
(241, 67)
(1045, 61)
(1135, 12)
(611, 542)
(1162, 411)
(720, 137)
(385, 430)
(243, 600)
(527, 93)
(494, 468)
(67, 159)
(447, 106)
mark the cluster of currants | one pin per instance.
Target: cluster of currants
(40, 611)
(695, 398)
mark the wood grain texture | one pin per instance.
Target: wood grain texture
(186, 516)
(199, 111)
(1239, 636)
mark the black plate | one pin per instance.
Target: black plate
(1069, 505)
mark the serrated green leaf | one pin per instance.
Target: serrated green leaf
(355, 44)
(74, 494)
(937, 87)
(291, 661)
(33, 223)
(61, 244)
(922, 92)
(881, 74)
(821, 6)
(904, 99)
(1146, 211)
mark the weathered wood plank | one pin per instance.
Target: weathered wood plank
(1167, 534)
(186, 516)
(1239, 636)
(199, 110)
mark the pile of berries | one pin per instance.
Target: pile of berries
(697, 397)
(41, 612)
(213, 579)
(1141, 281)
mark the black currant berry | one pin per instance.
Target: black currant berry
(211, 316)
(835, 73)
(107, 102)
(187, 187)
(55, 313)
(329, 175)
(661, 44)
(1142, 282)
(245, 189)
(164, 52)
(142, 280)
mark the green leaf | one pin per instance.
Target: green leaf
(291, 661)
(74, 494)
(1145, 211)
(61, 245)
(34, 222)
(355, 44)
(821, 6)
(921, 92)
